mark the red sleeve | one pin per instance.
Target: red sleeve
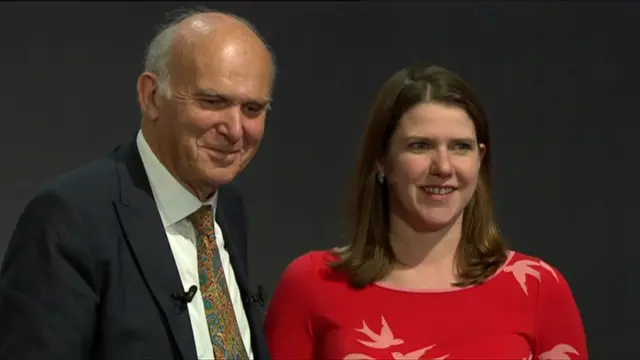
(559, 329)
(288, 318)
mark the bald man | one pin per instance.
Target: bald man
(143, 254)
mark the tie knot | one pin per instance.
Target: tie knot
(202, 219)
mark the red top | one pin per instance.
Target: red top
(525, 311)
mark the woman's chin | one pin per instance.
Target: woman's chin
(437, 221)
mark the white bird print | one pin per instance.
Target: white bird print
(520, 270)
(549, 269)
(379, 341)
(417, 354)
(358, 357)
(559, 352)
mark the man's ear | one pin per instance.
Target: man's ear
(147, 89)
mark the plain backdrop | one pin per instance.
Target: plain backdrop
(558, 79)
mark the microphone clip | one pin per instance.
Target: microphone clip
(259, 297)
(182, 299)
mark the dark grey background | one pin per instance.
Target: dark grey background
(558, 80)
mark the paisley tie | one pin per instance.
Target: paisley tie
(221, 319)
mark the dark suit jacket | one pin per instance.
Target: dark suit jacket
(89, 273)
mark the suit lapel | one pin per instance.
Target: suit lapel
(149, 244)
(230, 233)
(235, 244)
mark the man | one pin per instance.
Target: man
(122, 259)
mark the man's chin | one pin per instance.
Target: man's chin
(222, 176)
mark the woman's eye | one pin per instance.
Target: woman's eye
(463, 146)
(419, 145)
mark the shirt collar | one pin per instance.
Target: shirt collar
(174, 202)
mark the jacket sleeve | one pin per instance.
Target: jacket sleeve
(48, 296)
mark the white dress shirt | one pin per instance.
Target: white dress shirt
(175, 203)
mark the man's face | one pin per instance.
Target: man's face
(213, 121)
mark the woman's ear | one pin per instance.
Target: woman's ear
(380, 171)
(380, 165)
(482, 150)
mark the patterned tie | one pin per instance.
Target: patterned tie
(223, 326)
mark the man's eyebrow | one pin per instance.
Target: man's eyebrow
(212, 93)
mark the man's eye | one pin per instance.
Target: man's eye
(214, 101)
(254, 108)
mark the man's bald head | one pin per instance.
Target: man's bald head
(205, 94)
(180, 37)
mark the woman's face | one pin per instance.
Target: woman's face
(432, 165)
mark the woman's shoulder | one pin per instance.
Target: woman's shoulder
(527, 260)
(522, 266)
(312, 264)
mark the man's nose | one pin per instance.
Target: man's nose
(231, 126)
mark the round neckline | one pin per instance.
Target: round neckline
(444, 290)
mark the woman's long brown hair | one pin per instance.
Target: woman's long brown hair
(369, 257)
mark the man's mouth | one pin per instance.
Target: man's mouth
(225, 151)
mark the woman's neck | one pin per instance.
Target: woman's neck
(415, 248)
(426, 259)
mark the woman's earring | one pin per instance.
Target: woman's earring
(380, 177)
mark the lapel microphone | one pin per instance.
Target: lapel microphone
(184, 298)
(258, 297)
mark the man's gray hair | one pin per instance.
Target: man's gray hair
(158, 54)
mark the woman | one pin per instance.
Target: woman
(427, 274)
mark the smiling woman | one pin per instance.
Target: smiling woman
(427, 272)
(431, 166)
(428, 133)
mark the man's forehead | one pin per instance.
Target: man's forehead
(250, 77)
(232, 70)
